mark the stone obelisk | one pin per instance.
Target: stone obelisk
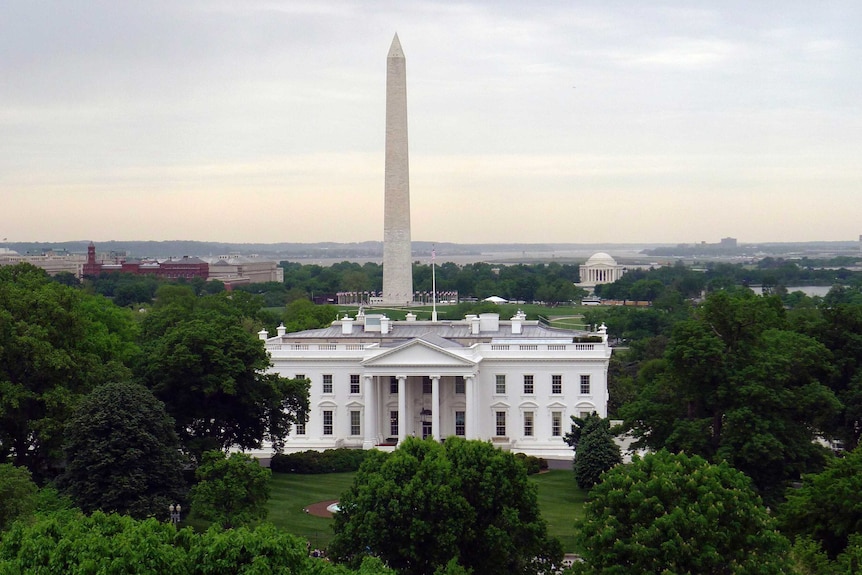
(397, 263)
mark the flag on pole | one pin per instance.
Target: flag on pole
(433, 253)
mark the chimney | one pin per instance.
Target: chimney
(517, 324)
(384, 325)
(346, 325)
(263, 335)
(281, 330)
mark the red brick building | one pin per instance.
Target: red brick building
(184, 267)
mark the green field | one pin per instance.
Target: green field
(560, 500)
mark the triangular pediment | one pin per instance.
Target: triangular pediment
(417, 352)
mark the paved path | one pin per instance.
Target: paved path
(319, 509)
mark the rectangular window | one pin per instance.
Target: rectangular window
(501, 384)
(300, 376)
(556, 384)
(585, 384)
(327, 423)
(327, 383)
(393, 423)
(500, 420)
(528, 385)
(426, 385)
(393, 385)
(300, 429)
(459, 384)
(557, 423)
(460, 418)
(528, 424)
(355, 428)
(354, 383)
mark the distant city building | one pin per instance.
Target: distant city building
(728, 243)
(186, 267)
(375, 381)
(51, 262)
(234, 270)
(600, 269)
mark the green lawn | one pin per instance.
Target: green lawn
(560, 500)
(291, 493)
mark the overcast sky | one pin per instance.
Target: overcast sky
(529, 121)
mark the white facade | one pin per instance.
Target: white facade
(376, 381)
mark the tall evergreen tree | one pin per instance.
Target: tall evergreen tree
(595, 448)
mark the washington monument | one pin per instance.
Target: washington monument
(397, 262)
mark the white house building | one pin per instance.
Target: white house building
(375, 381)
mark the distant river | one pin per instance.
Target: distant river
(810, 291)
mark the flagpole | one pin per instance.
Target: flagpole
(433, 286)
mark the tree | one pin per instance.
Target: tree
(734, 383)
(17, 494)
(56, 344)
(231, 491)
(427, 503)
(74, 544)
(595, 448)
(122, 453)
(828, 506)
(203, 361)
(670, 513)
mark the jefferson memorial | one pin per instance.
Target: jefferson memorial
(600, 269)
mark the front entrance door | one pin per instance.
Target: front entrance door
(426, 429)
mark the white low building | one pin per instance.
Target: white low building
(375, 381)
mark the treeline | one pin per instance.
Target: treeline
(775, 275)
(526, 282)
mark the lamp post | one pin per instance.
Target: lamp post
(175, 513)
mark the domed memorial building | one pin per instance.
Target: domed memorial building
(600, 269)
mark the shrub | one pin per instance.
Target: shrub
(532, 464)
(314, 462)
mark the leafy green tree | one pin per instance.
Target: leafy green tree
(74, 544)
(736, 384)
(670, 513)
(17, 494)
(56, 344)
(302, 314)
(595, 448)
(231, 491)
(828, 506)
(208, 366)
(122, 453)
(427, 504)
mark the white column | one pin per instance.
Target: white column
(470, 423)
(402, 407)
(435, 407)
(371, 418)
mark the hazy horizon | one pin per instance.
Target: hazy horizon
(544, 122)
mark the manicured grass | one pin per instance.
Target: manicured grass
(290, 493)
(560, 500)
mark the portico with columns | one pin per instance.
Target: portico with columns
(600, 269)
(374, 381)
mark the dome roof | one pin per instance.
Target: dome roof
(601, 258)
